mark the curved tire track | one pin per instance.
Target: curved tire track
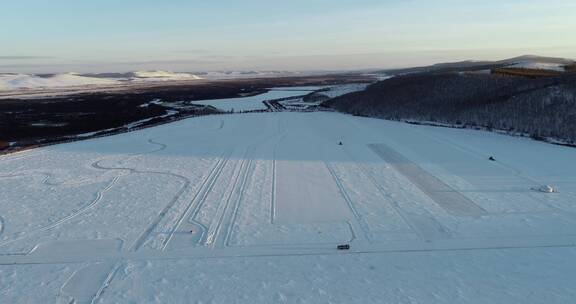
(65, 219)
(146, 233)
(99, 194)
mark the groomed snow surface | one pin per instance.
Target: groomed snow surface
(249, 208)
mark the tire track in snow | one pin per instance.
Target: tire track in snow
(358, 222)
(146, 233)
(225, 242)
(105, 284)
(47, 176)
(231, 219)
(517, 172)
(235, 192)
(101, 192)
(98, 198)
(91, 205)
(97, 165)
(425, 226)
(198, 200)
(194, 208)
(281, 131)
(441, 193)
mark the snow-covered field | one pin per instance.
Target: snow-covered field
(339, 90)
(249, 208)
(252, 103)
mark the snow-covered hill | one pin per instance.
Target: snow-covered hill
(538, 63)
(526, 61)
(539, 66)
(249, 74)
(536, 59)
(31, 81)
(26, 81)
(164, 75)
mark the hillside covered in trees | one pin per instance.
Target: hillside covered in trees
(544, 108)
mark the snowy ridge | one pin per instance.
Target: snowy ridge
(25, 81)
(539, 66)
(164, 75)
(248, 74)
(30, 81)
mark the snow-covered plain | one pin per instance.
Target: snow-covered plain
(249, 208)
(251, 103)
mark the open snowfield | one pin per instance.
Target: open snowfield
(249, 208)
(251, 103)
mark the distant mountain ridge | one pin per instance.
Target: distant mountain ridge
(39, 81)
(15, 81)
(26, 81)
(472, 65)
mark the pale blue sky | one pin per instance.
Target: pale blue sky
(188, 35)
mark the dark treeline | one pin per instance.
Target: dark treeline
(541, 108)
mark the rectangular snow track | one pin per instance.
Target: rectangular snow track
(445, 196)
(307, 193)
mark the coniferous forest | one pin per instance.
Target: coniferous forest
(543, 108)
